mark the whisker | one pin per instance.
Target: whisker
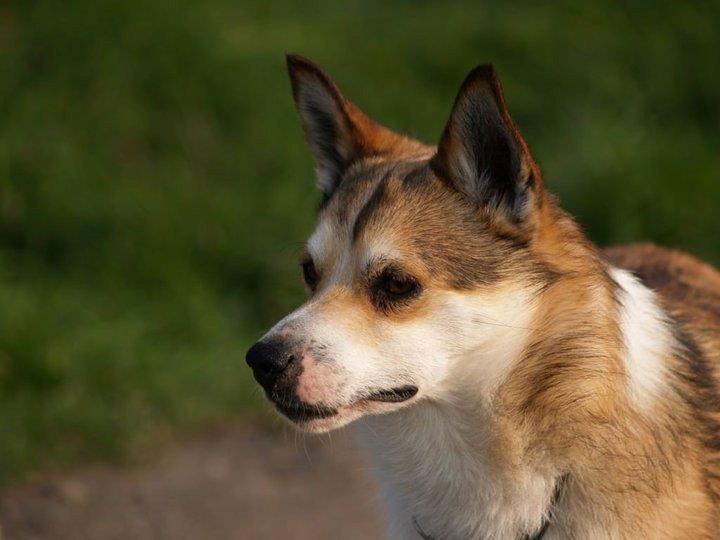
(305, 449)
(504, 325)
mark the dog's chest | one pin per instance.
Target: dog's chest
(439, 483)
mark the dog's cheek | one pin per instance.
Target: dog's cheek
(438, 342)
(418, 354)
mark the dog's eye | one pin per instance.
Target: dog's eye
(396, 286)
(310, 274)
(393, 287)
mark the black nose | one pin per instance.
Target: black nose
(268, 360)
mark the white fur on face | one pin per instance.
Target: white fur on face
(647, 338)
(349, 354)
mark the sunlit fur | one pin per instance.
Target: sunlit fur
(544, 369)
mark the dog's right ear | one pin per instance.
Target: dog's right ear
(338, 132)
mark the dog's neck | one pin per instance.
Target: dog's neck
(439, 473)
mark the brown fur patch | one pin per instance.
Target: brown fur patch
(690, 293)
(656, 476)
(434, 224)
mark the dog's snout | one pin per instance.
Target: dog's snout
(268, 360)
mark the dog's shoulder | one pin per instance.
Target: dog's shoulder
(676, 276)
(688, 288)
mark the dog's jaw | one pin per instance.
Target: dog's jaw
(341, 418)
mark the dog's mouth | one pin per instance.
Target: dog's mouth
(306, 414)
(394, 395)
(302, 412)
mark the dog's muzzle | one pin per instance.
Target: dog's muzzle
(276, 366)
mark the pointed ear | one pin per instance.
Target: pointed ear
(338, 132)
(482, 153)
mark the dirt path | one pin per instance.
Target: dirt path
(240, 484)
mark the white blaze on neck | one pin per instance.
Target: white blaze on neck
(646, 335)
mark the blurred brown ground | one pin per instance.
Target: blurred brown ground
(240, 483)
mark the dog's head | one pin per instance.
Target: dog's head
(421, 272)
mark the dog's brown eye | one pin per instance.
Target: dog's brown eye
(310, 275)
(392, 289)
(394, 285)
(398, 286)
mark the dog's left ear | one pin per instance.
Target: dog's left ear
(482, 153)
(338, 132)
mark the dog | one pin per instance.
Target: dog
(506, 378)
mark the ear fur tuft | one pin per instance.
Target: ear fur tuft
(482, 153)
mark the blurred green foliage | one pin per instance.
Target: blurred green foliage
(155, 187)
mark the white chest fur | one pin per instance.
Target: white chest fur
(435, 475)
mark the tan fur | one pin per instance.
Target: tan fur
(652, 473)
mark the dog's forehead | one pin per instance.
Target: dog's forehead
(402, 212)
(347, 219)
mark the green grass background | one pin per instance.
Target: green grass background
(155, 187)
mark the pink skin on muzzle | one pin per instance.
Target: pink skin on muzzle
(318, 382)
